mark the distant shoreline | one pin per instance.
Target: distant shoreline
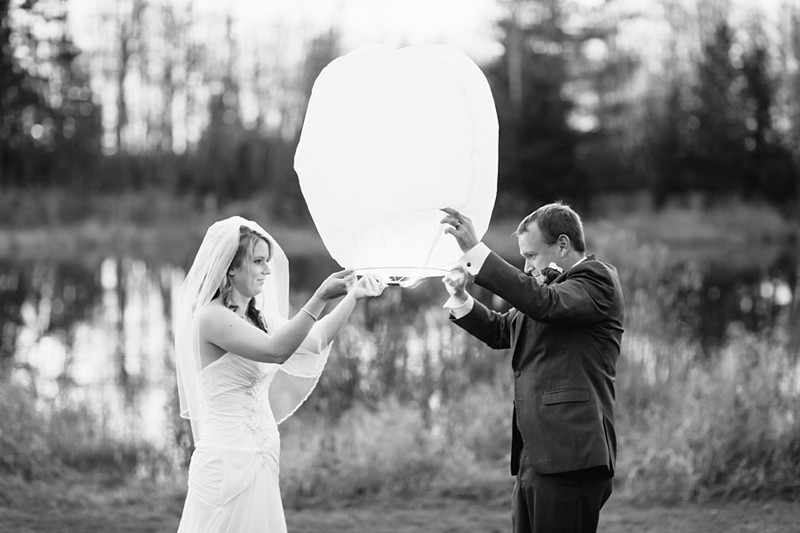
(156, 228)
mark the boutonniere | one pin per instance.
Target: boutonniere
(551, 272)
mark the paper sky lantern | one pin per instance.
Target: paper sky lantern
(390, 137)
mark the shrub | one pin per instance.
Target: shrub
(24, 446)
(386, 450)
(727, 426)
(39, 440)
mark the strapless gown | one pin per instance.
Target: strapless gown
(233, 474)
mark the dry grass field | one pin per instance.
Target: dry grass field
(87, 506)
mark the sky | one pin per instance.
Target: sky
(277, 31)
(465, 24)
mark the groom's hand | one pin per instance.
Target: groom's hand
(456, 282)
(461, 228)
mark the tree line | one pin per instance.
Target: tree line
(674, 102)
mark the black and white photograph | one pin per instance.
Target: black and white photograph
(399, 266)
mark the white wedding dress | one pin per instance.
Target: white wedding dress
(233, 474)
(235, 404)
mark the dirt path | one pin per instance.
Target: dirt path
(617, 517)
(734, 517)
(80, 508)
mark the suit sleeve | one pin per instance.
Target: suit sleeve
(585, 296)
(491, 327)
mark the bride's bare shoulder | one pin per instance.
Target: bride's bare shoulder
(212, 312)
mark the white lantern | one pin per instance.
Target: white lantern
(391, 137)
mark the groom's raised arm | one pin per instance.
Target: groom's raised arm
(584, 297)
(491, 327)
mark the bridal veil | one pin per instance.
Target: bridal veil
(295, 379)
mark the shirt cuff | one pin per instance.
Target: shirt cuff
(473, 260)
(459, 309)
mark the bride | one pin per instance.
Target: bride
(243, 368)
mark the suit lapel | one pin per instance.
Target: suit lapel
(519, 323)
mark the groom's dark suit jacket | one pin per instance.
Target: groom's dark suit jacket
(565, 339)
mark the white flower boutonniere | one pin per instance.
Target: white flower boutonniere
(551, 272)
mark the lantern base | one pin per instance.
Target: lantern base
(405, 277)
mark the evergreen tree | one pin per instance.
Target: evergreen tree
(551, 145)
(718, 155)
(50, 130)
(537, 146)
(17, 99)
(770, 172)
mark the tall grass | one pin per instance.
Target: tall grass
(368, 452)
(43, 440)
(725, 427)
(389, 449)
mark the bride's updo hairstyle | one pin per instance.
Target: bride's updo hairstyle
(247, 243)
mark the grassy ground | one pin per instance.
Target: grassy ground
(83, 505)
(449, 515)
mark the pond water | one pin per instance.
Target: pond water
(99, 333)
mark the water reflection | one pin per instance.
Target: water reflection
(98, 334)
(711, 296)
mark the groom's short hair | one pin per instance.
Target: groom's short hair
(556, 219)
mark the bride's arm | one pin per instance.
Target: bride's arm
(223, 328)
(328, 327)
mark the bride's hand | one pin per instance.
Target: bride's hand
(367, 287)
(336, 285)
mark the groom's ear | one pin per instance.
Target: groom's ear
(563, 245)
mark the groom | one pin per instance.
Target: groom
(565, 334)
